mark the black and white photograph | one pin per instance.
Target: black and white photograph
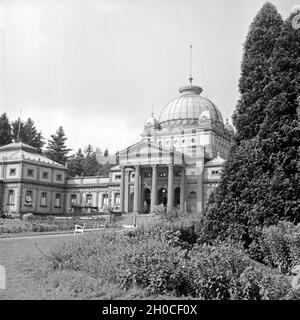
(149, 151)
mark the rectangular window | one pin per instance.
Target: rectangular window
(57, 200)
(117, 199)
(28, 198)
(215, 172)
(30, 172)
(105, 199)
(11, 197)
(58, 177)
(43, 199)
(73, 199)
(12, 172)
(89, 198)
(45, 175)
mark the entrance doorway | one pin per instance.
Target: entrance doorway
(177, 197)
(163, 196)
(192, 202)
(146, 200)
(131, 199)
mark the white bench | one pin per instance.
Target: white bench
(129, 226)
(88, 227)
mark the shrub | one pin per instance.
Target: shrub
(29, 217)
(150, 265)
(155, 265)
(182, 232)
(278, 246)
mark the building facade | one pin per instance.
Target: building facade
(177, 163)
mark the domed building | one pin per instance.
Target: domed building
(179, 159)
(176, 164)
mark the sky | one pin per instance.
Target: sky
(100, 67)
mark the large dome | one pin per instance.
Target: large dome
(188, 108)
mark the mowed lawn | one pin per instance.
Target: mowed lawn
(13, 253)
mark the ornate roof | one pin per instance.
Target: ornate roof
(151, 123)
(229, 127)
(22, 151)
(187, 108)
(218, 161)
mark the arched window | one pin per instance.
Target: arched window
(192, 201)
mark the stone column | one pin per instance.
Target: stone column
(122, 189)
(170, 187)
(97, 200)
(154, 187)
(136, 190)
(182, 190)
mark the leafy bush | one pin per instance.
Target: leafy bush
(28, 217)
(158, 266)
(278, 246)
(182, 232)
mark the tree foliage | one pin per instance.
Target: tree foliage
(260, 182)
(5, 130)
(56, 148)
(26, 132)
(255, 73)
(86, 164)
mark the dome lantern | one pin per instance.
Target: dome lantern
(229, 128)
(151, 123)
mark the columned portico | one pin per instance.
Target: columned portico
(136, 189)
(170, 204)
(154, 188)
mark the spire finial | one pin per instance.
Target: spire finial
(19, 125)
(191, 78)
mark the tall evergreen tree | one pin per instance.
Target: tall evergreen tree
(255, 71)
(56, 148)
(26, 132)
(18, 131)
(76, 164)
(91, 165)
(32, 136)
(5, 130)
(280, 130)
(243, 200)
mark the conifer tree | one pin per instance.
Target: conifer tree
(18, 130)
(5, 130)
(280, 130)
(26, 132)
(255, 74)
(32, 136)
(91, 165)
(76, 164)
(57, 149)
(243, 202)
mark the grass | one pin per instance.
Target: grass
(16, 256)
(28, 279)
